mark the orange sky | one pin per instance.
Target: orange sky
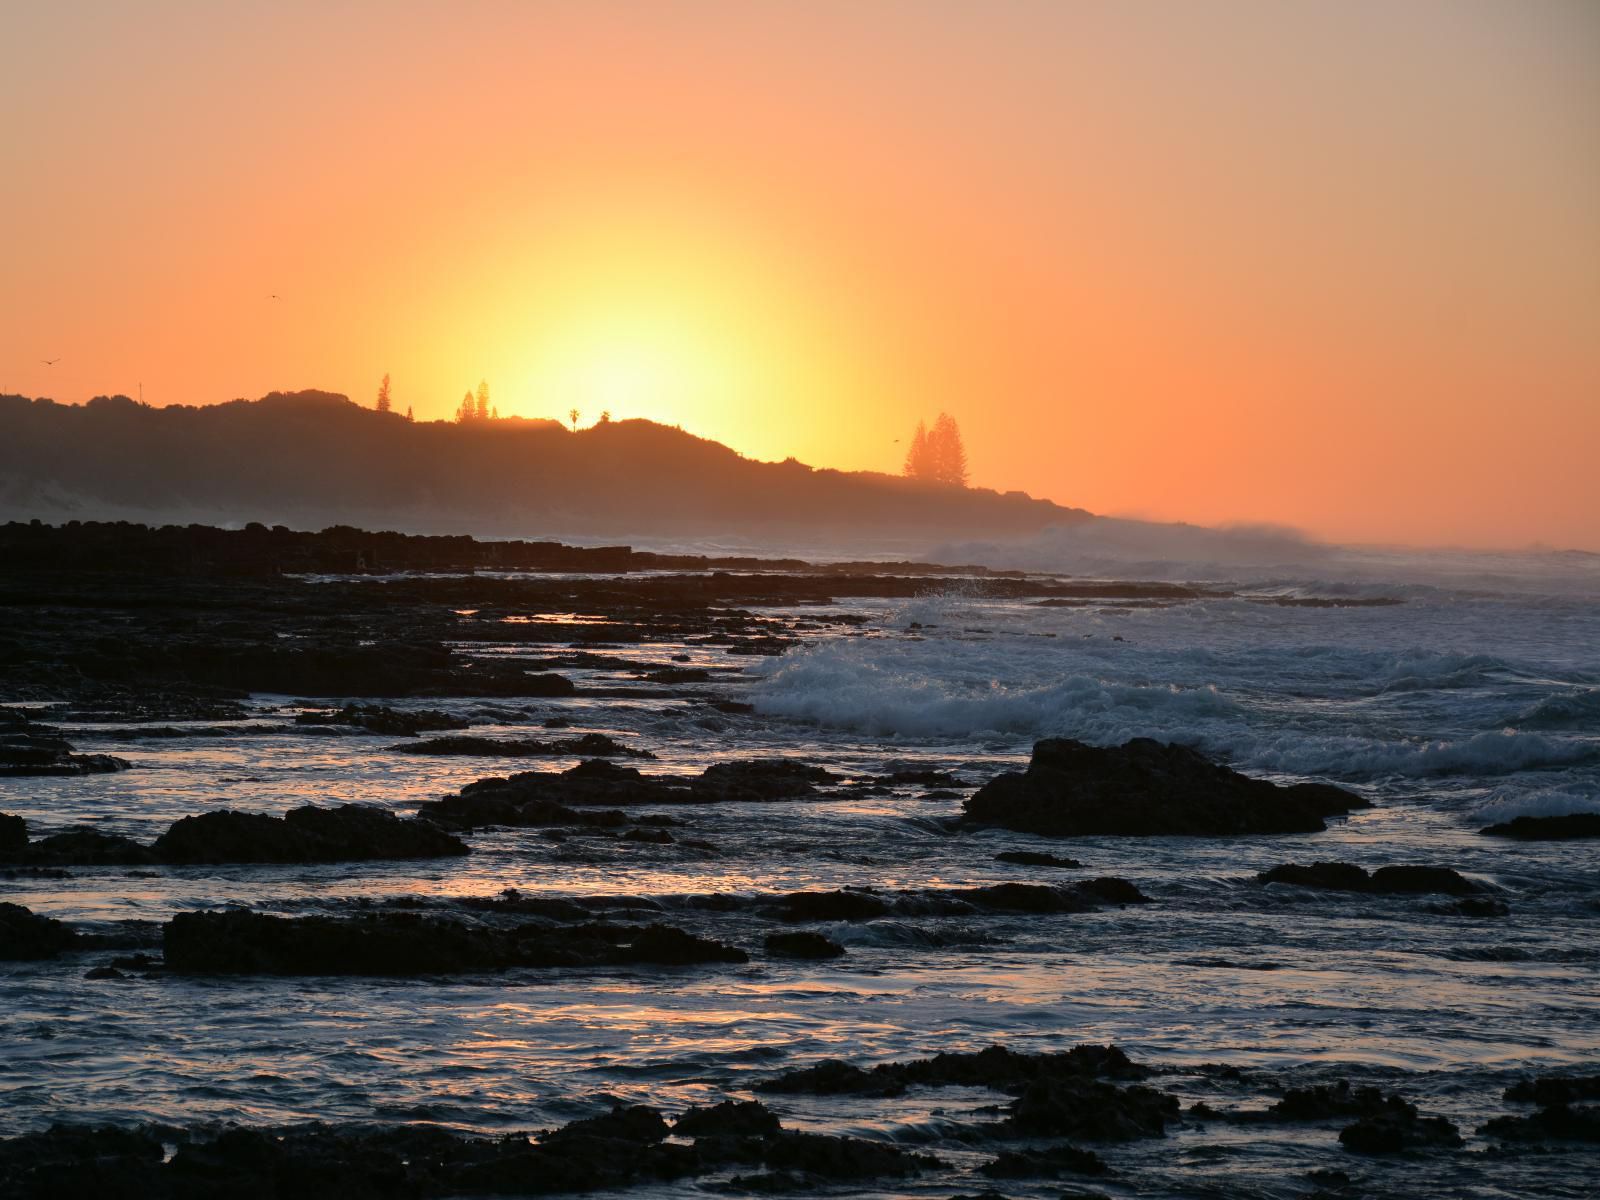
(1331, 265)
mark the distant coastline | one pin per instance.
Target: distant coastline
(314, 459)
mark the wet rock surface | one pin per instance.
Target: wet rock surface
(1147, 788)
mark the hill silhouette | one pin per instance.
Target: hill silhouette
(314, 458)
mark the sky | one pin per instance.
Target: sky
(1331, 265)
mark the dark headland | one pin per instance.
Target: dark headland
(315, 458)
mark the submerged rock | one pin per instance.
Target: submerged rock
(1147, 788)
(1547, 829)
(24, 935)
(1388, 881)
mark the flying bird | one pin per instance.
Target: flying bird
(274, 296)
(50, 362)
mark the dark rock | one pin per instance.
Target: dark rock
(103, 973)
(13, 834)
(1392, 1133)
(835, 1077)
(1325, 1101)
(831, 906)
(1395, 880)
(1416, 881)
(28, 748)
(590, 745)
(654, 837)
(1022, 897)
(523, 799)
(1045, 1164)
(348, 833)
(1555, 1089)
(1555, 1122)
(842, 1158)
(380, 718)
(1146, 788)
(1032, 858)
(628, 1123)
(995, 1067)
(1548, 829)
(731, 1118)
(923, 778)
(86, 847)
(1111, 890)
(1091, 1110)
(1325, 876)
(402, 944)
(804, 944)
(25, 936)
(761, 779)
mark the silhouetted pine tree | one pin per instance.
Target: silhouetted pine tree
(483, 400)
(383, 395)
(919, 462)
(948, 454)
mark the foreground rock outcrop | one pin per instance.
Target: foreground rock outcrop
(1147, 788)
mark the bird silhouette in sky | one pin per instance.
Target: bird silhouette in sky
(274, 296)
(49, 362)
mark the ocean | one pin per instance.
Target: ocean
(1451, 690)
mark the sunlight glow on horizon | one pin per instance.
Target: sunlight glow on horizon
(1330, 265)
